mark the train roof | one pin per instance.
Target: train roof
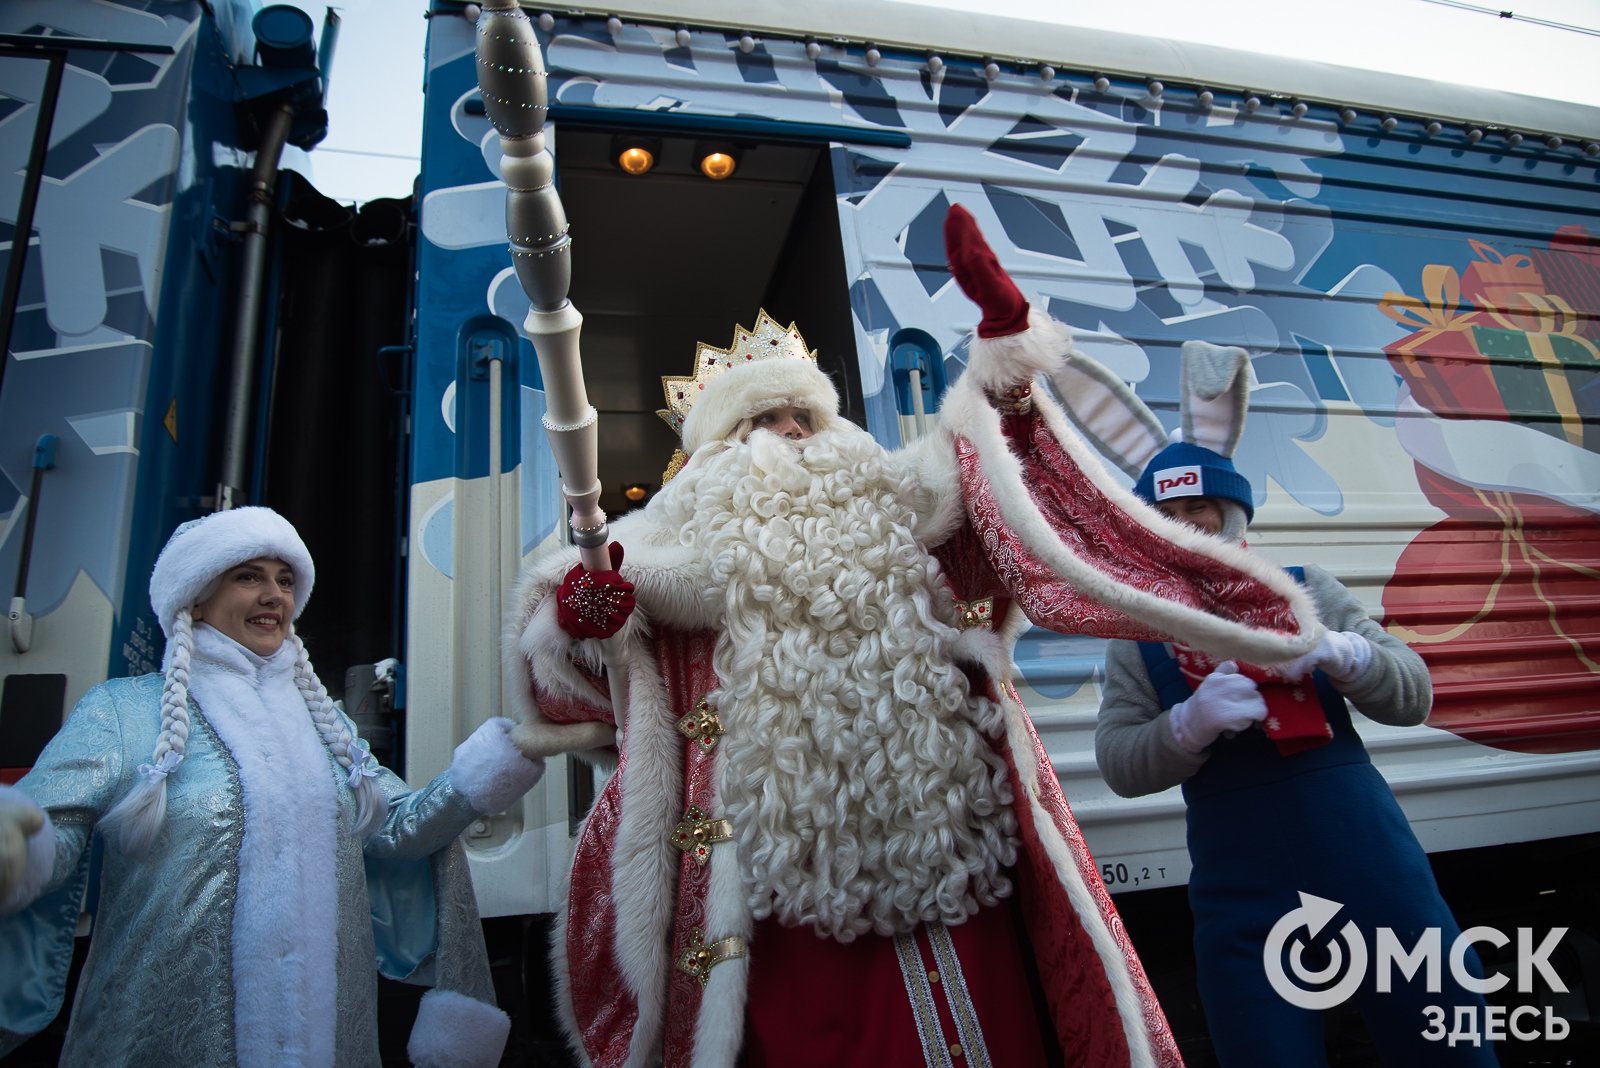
(917, 28)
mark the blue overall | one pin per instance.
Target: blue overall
(1262, 827)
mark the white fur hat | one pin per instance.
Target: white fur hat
(747, 390)
(201, 550)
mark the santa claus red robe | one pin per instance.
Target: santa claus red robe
(1027, 526)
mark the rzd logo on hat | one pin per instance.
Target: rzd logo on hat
(1177, 482)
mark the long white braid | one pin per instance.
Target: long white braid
(371, 804)
(140, 813)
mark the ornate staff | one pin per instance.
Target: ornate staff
(511, 77)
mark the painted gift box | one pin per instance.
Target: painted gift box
(1543, 367)
(1519, 356)
(1440, 360)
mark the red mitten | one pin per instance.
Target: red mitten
(595, 604)
(981, 277)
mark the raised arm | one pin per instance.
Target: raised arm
(1076, 551)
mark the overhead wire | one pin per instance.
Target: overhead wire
(1502, 13)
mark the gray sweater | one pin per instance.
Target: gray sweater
(1133, 741)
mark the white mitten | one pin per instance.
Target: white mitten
(1224, 701)
(490, 770)
(27, 850)
(1343, 655)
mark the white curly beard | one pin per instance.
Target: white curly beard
(861, 790)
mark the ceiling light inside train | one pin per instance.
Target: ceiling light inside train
(717, 160)
(636, 160)
(717, 165)
(634, 154)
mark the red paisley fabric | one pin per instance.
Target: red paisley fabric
(1502, 600)
(605, 1010)
(685, 659)
(1075, 984)
(1111, 540)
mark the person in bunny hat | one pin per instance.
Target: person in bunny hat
(834, 837)
(1282, 798)
(249, 841)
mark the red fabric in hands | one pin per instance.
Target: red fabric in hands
(1295, 719)
(982, 279)
(595, 604)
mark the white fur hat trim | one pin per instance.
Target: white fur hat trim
(756, 387)
(200, 551)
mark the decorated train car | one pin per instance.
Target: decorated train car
(1417, 289)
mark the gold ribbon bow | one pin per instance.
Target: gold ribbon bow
(1440, 311)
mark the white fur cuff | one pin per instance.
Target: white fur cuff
(455, 1031)
(41, 847)
(998, 363)
(490, 771)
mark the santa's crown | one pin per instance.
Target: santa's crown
(767, 341)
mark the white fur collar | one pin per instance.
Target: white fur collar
(285, 914)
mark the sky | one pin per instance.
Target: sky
(375, 93)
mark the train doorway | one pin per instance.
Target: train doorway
(669, 257)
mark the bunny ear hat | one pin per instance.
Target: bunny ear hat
(1214, 399)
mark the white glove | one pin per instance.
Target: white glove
(1342, 655)
(1224, 701)
(27, 850)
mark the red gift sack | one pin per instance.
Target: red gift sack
(1502, 600)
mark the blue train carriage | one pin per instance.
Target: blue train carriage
(123, 158)
(1145, 194)
(188, 322)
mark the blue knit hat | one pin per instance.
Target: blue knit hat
(1184, 470)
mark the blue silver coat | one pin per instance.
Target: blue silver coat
(157, 989)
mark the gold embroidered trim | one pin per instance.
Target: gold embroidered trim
(934, 1052)
(702, 726)
(697, 833)
(699, 958)
(962, 1010)
(979, 613)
